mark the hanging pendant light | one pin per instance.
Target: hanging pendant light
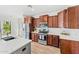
(30, 6)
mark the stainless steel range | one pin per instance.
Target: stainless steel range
(42, 38)
(43, 30)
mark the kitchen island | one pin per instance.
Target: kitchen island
(15, 46)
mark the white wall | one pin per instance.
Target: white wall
(48, 13)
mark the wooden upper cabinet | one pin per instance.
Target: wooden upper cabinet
(55, 22)
(27, 19)
(36, 22)
(65, 21)
(50, 21)
(69, 18)
(60, 19)
(44, 18)
(73, 17)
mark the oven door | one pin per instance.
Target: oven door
(42, 39)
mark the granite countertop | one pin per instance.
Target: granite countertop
(7, 47)
(73, 38)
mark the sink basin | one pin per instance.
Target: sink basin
(65, 34)
(8, 38)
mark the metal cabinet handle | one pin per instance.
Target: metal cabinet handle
(24, 49)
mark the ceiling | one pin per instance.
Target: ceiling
(25, 10)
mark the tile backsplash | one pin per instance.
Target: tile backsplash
(72, 32)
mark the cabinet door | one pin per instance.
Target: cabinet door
(72, 17)
(41, 18)
(37, 22)
(26, 49)
(75, 47)
(34, 37)
(77, 12)
(50, 21)
(65, 21)
(50, 40)
(55, 22)
(44, 18)
(55, 41)
(65, 46)
(60, 19)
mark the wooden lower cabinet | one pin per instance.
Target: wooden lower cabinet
(50, 40)
(53, 40)
(35, 37)
(65, 46)
(69, 46)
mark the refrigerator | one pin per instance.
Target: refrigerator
(0, 30)
(26, 31)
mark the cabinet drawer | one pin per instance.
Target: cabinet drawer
(26, 49)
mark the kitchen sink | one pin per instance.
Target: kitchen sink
(65, 34)
(8, 38)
